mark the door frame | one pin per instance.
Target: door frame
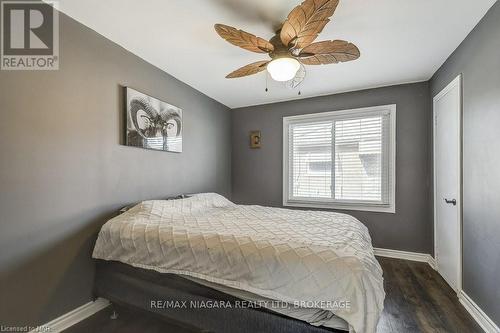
(456, 82)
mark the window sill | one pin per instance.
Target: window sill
(339, 206)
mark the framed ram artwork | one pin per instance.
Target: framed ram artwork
(152, 123)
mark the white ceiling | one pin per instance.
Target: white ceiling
(401, 41)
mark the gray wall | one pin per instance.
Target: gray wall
(257, 173)
(63, 171)
(478, 58)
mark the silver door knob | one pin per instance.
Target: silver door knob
(452, 201)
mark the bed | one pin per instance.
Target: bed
(279, 269)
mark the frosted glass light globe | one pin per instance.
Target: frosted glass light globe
(283, 69)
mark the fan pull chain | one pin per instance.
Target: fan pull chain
(266, 83)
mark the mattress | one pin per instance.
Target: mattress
(309, 259)
(313, 316)
(145, 289)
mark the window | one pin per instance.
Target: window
(341, 159)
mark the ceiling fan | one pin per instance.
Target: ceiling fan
(292, 46)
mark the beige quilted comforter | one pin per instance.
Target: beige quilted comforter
(314, 259)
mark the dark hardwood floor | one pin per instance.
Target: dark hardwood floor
(128, 321)
(417, 300)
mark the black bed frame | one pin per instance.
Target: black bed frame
(126, 285)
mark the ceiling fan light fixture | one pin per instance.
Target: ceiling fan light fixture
(283, 69)
(293, 44)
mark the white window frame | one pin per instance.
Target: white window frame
(322, 203)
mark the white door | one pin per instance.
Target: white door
(447, 182)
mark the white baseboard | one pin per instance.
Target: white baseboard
(413, 256)
(71, 318)
(475, 311)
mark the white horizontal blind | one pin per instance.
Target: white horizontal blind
(311, 149)
(341, 158)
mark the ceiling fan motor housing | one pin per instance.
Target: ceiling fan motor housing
(280, 50)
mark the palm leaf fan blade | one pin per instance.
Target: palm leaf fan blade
(249, 69)
(243, 39)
